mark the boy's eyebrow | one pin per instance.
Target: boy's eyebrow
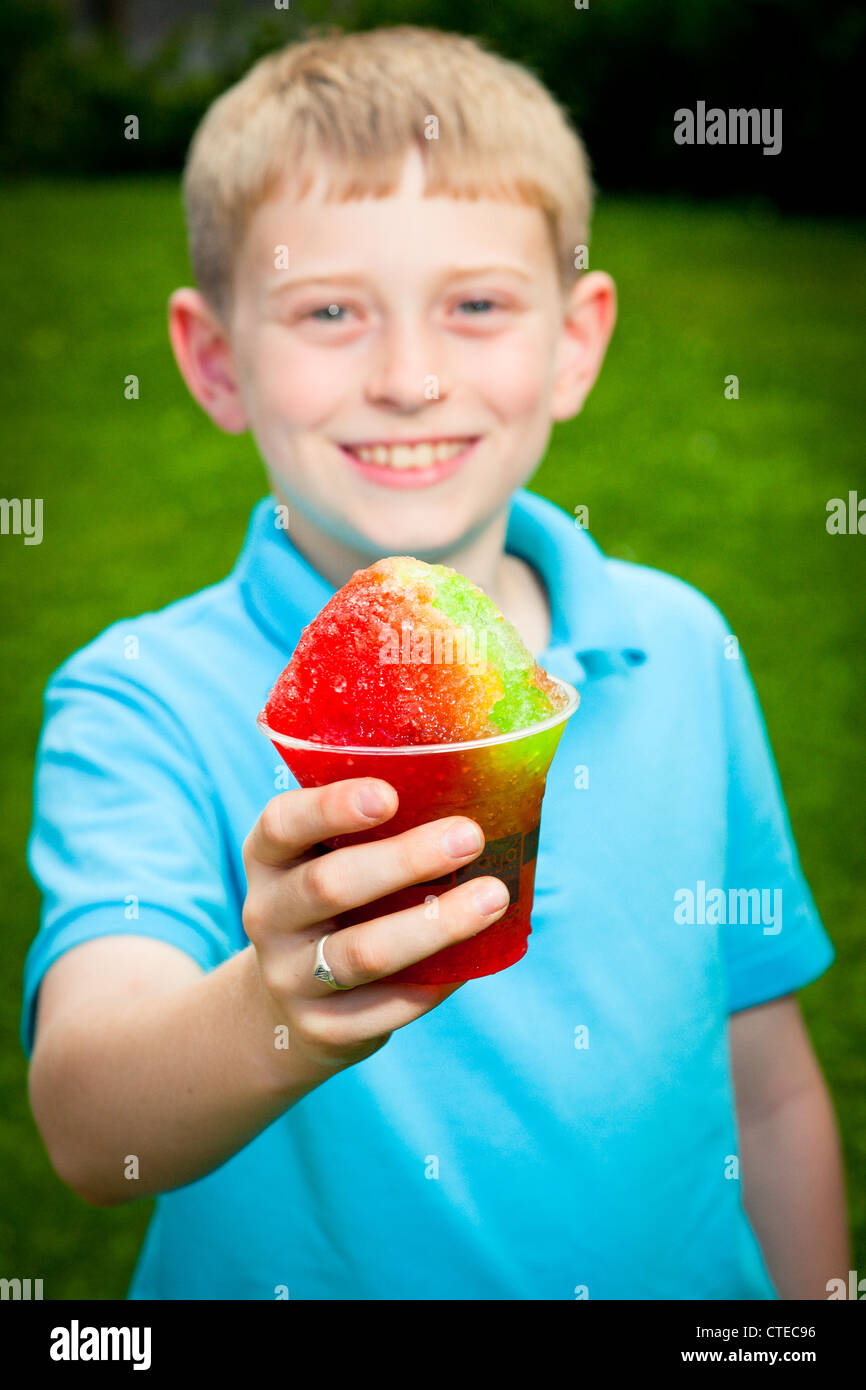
(346, 277)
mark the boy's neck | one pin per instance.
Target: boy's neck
(513, 585)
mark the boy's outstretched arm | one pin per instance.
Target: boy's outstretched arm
(139, 1052)
(790, 1154)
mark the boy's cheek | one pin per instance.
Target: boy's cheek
(294, 385)
(515, 379)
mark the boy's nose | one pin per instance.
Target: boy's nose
(404, 370)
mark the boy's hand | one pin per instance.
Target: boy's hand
(293, 896)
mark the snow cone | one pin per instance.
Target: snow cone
(411, 674)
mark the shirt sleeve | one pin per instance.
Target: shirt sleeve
(125, 837)
(774, 941)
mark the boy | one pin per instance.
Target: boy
(633, 1111)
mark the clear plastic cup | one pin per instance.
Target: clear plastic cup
(498, 782)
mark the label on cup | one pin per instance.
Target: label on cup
(501, 859)
(530, 845)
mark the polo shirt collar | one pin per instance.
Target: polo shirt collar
(594, 630)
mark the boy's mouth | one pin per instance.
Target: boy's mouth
(404, 453)
(410, 463)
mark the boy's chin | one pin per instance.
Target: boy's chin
(426, 535)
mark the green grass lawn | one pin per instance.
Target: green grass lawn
(145, 501)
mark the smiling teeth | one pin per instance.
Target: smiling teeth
(410, 455)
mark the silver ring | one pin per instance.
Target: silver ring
(323, 970)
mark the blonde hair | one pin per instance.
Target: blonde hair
(360, 101)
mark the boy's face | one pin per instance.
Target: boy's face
(399, 320)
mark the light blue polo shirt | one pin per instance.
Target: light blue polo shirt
(563, 1129)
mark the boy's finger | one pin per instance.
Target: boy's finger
(323, 886)
(372, 950)
(294, 821)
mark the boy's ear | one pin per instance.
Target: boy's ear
(590, 314)
(204, 356)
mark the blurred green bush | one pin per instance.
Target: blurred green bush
(621, 67)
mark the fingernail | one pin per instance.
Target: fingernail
(461, 840)
(490, 897)
(371, 802)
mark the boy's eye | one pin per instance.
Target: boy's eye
(476, 304)
(338, 313)
(330, 314)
